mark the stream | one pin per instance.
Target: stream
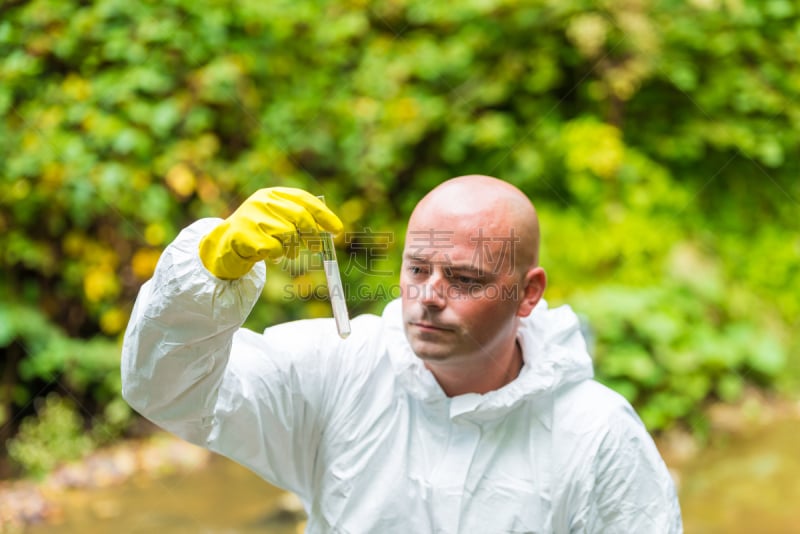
(747, 484)
(221, 498)
(742, 484)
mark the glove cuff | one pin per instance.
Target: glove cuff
(219, 259)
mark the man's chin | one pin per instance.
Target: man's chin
(427, 351)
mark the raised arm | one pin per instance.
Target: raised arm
(189, 366)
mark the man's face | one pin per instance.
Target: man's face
(460, 289)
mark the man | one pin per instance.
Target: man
(468, 406)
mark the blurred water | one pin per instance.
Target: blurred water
(223, 498)
(746, 484)
(743, 485)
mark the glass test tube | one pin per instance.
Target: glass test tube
(335, 287)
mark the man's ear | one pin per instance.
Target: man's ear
(533, 285)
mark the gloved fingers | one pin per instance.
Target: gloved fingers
(323, 218)
(272, 223)
(267, 247)
(286, 221)
(294, 210)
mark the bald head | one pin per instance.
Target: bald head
(469, 276)
(482, 206)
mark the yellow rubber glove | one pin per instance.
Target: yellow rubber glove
(270, 224)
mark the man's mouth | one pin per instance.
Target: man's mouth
(430, 327)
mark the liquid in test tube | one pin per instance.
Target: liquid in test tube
(335, 287)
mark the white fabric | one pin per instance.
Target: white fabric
(363, 433)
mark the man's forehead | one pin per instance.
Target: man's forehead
(432, 236)
(476, 237)
(479, 249)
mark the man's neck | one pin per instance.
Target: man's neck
(480, 375)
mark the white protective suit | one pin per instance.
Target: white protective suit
(363, 433)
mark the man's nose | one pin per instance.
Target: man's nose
(433, 291)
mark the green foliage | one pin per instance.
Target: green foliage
(667, 349)
(642, 130)
(88, 369)
(55, 436)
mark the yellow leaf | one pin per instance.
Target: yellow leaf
(589, 32)
(366, 108)
(207, 190)
(155, 234)
(402, 110)
(112, 321)
(76, 87)
(181, 179)
(144, 261)
(594, 146)
(100, 283)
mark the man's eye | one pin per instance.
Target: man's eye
(463, 279)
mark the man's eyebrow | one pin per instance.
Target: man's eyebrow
(416, 257)
(465, 267)
(447, 264)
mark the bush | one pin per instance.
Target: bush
(54, 436)
(638, 129)
(668, 350)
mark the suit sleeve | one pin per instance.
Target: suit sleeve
(188, 366)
